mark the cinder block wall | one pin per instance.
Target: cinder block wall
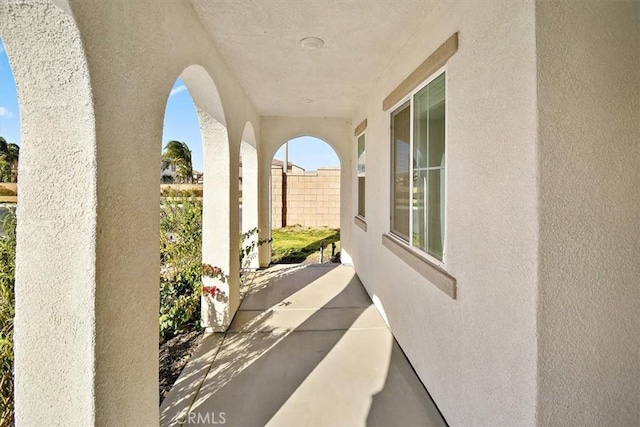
(277, 180)
(308, 199)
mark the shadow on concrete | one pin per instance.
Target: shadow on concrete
(279, 289)
(269, 365)
(402, 381)
(253, 375)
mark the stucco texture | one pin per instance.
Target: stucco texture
(56, 235)
(477, 354)
(92, 97)
(589, 167)
(220, 221)
(542, 203)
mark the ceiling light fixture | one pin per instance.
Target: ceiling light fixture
(311, 43)
(305, 100)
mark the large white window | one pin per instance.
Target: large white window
(418, 169)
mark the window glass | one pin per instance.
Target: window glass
(436, 122)
(428, 167)
(361, 176)
(420, 167)
(418, 206)
(435, 230)
(400, 186)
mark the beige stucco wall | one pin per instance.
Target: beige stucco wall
(541, 215)
(477, 354)
(312, 199)
(589, 167)
(543, 208)
(87, 258)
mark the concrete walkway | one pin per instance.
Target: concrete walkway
(307, 348)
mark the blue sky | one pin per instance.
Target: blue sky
(9, 112)
(309, 153)
(180, 123)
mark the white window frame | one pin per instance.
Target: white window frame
(410, 97)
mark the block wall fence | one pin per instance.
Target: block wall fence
(309, 199)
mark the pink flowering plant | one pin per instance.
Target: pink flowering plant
(182, 271)
(215, 273)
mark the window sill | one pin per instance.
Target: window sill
(360, 222)
(430, 271)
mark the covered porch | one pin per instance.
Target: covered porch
(510, 283)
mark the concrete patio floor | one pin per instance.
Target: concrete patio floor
(306, 348)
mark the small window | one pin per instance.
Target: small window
(361, 176)
(418, 169)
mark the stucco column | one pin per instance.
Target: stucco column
(264, 206)
(220, 227)
(346, 206)
(56, 237)
(250, 202)
(86, 327)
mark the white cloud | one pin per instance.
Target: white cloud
(178, 90)
(6, 113)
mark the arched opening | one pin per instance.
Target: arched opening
(181, 193)
(9, 158)
(248, 189)
(197, 223)
(181, 125)
(9, 124)
(305, 202)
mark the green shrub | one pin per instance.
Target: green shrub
(7, 312)
(172, 192)
(181, 265)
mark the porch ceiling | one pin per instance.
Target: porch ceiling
(261, 44)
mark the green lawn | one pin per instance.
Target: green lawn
(297, 244)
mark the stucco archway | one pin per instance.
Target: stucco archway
(321, 185)
(219, 236)
(337, 133)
